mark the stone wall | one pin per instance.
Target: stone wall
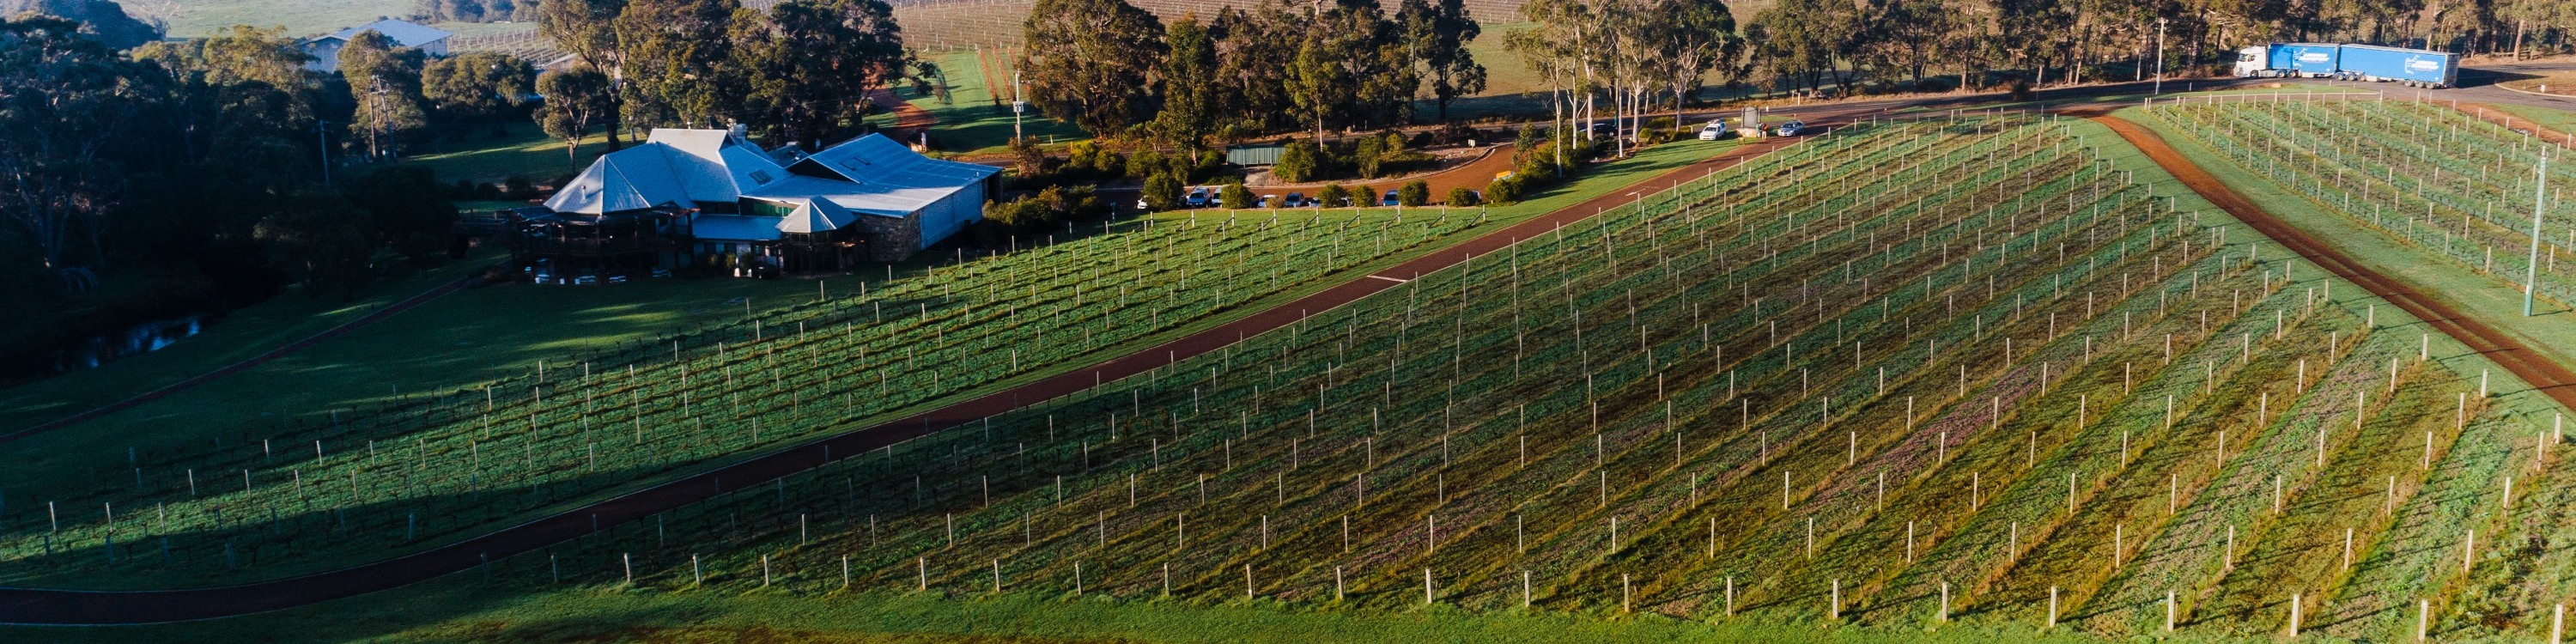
(890, 239)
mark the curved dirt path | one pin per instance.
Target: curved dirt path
(2551, 378)
(237, 367)
(70, 607)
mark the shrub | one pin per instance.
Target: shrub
(1334, 196)
(1299, 163)
(1414, 193)
(1236, 196)
(1505, 191)
(1462, 197)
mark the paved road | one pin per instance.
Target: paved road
(46, 606)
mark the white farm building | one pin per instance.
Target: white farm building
(713, 199)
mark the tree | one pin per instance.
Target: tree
(576, 97)
(478, 85)
(385, 81)
(586, 29)
(674, 56)
(1162, 191)
(810, 66)
(1437, 33)
(1092, 62)
(1462, 197)
(1191, 95)
(68, 105)
(1694, 37)
(405, 212)
(1250, 46)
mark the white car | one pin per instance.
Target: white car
(1793, 128)
(1715, 130)
(1200, 197)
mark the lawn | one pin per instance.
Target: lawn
(971, 122)
(2561, 120)
(521, 149)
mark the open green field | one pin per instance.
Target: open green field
(974, 120)
(1764, 405)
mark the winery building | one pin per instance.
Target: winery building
(712, 199)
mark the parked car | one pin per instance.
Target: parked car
(1391, 199)
(1792, 128)
(1293, 200)
(1266, 201)
(1715, 130)
(1199, 197)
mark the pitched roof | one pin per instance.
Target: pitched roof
(636, 178)
(682, 168)
(879, 177)
(403, 32)
(817, 215)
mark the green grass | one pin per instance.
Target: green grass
(523, 150)
(2561, 120)
(971, 122)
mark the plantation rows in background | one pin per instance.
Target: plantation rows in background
(1945, 366)
(344, 486)
(2428, 175)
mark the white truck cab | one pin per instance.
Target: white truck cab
(2251, 61)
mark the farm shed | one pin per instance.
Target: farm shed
(736, 207)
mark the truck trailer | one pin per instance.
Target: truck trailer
(2414, 67)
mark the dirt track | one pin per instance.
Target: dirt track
(45, 606)
(2547, 375)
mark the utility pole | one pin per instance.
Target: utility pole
(2531, 271)
(1019, 104)
(2160, 56)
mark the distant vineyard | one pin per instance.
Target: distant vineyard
(522, 43)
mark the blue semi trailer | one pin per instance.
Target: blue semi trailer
(2414, 67)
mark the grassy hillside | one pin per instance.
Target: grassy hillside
(1980, 370)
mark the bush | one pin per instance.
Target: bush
(1506, 191)
(1414, 193)
(1236, 196)
(1656, 130)
(1299, 163)
(1462, 197)
(1334, 196)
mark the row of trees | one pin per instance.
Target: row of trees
(803, 71)
(1275, 66)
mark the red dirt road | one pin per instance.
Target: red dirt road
(2551, 378)
(44, 606)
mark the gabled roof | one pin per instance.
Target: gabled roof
(878, 177)
(636, 178)
(403, 32)
(714, 165)
(817, 215)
